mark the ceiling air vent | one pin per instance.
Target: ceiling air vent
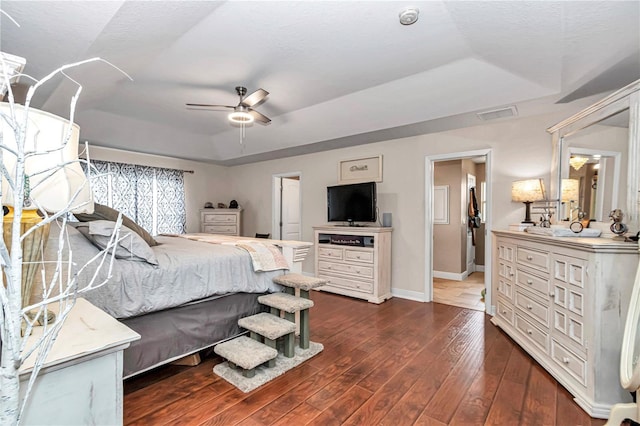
(510, 111)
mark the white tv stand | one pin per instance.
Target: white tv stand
(362, 269)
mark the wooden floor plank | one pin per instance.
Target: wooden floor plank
(540, 400)
(397, 363)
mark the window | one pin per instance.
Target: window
(153, 197)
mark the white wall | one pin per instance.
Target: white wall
(207, 183)
(521, 149)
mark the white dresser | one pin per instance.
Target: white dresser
(360, 270)
(564, 300)
(221, 221)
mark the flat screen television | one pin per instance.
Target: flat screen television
(352, 203)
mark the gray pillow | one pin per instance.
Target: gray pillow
(130, 247)
(102, 212)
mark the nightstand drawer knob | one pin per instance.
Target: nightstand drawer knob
(529, 282)
(530, 331)
(529, 257)
(529, 307)
(565, 360)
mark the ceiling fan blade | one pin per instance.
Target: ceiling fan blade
(208, 107)
(254, 98)
(259, 117)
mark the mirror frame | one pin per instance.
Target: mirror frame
(626, 98)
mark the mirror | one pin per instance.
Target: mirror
(596, 161)
(591, 168)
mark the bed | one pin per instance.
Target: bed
(184, 296)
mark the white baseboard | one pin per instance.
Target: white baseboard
(450, 275)
(407, 294)
(479, 268)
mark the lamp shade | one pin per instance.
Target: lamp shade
(570, 190)
(527, 190)
(52, 179)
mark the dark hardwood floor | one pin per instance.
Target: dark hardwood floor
(398, 363)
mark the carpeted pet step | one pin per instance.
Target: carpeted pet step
(302, 282)
(285, 302)
(290, 304)
(246, 353)
(271, 328)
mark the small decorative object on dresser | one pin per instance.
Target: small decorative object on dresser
(355, 262)
(221, 221)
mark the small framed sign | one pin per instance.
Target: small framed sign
(367, 169)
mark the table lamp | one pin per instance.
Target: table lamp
(53, 179)
(527, 191)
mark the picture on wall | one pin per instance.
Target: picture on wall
(367, 169)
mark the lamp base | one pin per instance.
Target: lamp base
(527, 213)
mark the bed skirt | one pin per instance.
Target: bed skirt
(173, 333)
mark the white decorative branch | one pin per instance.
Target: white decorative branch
(57, 286)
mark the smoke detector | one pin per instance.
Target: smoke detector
(409, 15)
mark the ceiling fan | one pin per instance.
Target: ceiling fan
(243, 113)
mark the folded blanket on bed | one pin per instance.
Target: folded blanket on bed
(264, 256)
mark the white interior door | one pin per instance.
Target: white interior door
(290, 209)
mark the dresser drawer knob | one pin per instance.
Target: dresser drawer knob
(511, 274)
(552, 294)
(504, 312)
(529, 331)
(529, 307)
(565, 360)
(529, 257)
(529, 282)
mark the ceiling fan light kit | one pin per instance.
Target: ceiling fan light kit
(241, 117)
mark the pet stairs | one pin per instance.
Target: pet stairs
(250, 352)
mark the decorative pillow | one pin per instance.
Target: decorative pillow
(102, 212)
(130, 247)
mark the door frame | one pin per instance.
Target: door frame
(276, 205)
(428, 218)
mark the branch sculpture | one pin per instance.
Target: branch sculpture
(60, 281)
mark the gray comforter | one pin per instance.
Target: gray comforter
(186, 271)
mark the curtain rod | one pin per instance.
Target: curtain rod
(144, 165)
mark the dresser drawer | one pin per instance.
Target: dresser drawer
(505, 311)
(569, 329)
(363, 286)
(219, 218)
(537, 310)
(570, 362)
(330, 253)
(506, 251)
(358, 255)
(220, 229)
(537, 259)
(532, 333)
(505, 288)
(533, 283)
(506, 270)
(361, 271)
(570, 270)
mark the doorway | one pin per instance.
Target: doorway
(457, 256)
(286, 198)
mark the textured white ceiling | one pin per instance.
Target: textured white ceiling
(339, 73)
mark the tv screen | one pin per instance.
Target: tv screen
(352, 203)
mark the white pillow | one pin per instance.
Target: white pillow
(130, 247)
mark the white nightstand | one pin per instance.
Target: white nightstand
(81, 381)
